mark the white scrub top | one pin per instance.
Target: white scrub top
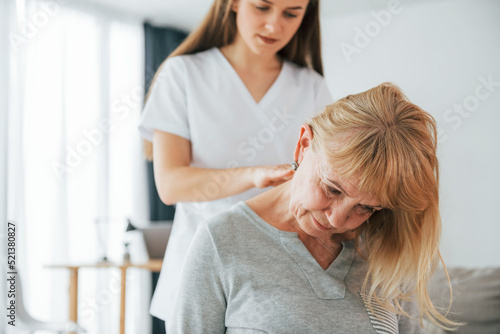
(200, 97)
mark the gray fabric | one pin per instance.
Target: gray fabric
(242, 275)
(476, 298)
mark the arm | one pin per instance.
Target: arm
(177, 182)
(200, 304)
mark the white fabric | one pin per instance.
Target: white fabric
(201, 98)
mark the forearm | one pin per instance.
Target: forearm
(190, 184)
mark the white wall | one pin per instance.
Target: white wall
(439, 53)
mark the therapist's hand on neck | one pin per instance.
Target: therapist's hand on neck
(271, 176)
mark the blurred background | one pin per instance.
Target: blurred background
(73, 78)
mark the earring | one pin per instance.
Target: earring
(295, 166)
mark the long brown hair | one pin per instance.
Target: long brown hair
(218, 29)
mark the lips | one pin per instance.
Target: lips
(321, 227)
(268, 40)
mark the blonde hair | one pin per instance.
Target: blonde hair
(218, 29)
(389, 145)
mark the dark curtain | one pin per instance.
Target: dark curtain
(159, 43)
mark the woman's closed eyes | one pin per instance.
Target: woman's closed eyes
(266, 8)
(364, 209)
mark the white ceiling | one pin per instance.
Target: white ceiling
(186, 14)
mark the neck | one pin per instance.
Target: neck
(273, 206)
(241, 56)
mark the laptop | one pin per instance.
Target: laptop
(156, 238)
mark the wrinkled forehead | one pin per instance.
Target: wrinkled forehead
(328, 171)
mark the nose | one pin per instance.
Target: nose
(338, 214)
(273, 24)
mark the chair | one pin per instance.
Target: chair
(25, 322)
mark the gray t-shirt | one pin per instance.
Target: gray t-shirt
(243, 275)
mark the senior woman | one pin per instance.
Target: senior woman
(346, 246)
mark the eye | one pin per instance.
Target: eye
(334, 191)
(263, 9)
(290, 15)
(367, 210)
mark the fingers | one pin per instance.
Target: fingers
(285, 168)
(274, 175)
(280, 174)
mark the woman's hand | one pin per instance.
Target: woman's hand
(272, 176)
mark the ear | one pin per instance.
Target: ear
(234, 5)
(304, 143)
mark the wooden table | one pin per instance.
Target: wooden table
(151, 265)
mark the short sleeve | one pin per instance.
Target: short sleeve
(200, 304)
(166, 107)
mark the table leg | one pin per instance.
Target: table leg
(122, 299)
(73, 295)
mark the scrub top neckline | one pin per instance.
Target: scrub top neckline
(327, 284)
(268, 96)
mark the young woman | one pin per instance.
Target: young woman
(223, 113)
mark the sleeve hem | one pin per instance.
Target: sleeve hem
(147, 131)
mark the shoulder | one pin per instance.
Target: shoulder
(302, 73)
(171, 69)
(186, 63)
(195, 59)
(234, 229)
(229, 223)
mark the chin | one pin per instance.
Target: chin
(263, 51)
(311, 230)
(315, 233)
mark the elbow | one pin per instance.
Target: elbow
(167, 195)
(167, 190)
(167, 200)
